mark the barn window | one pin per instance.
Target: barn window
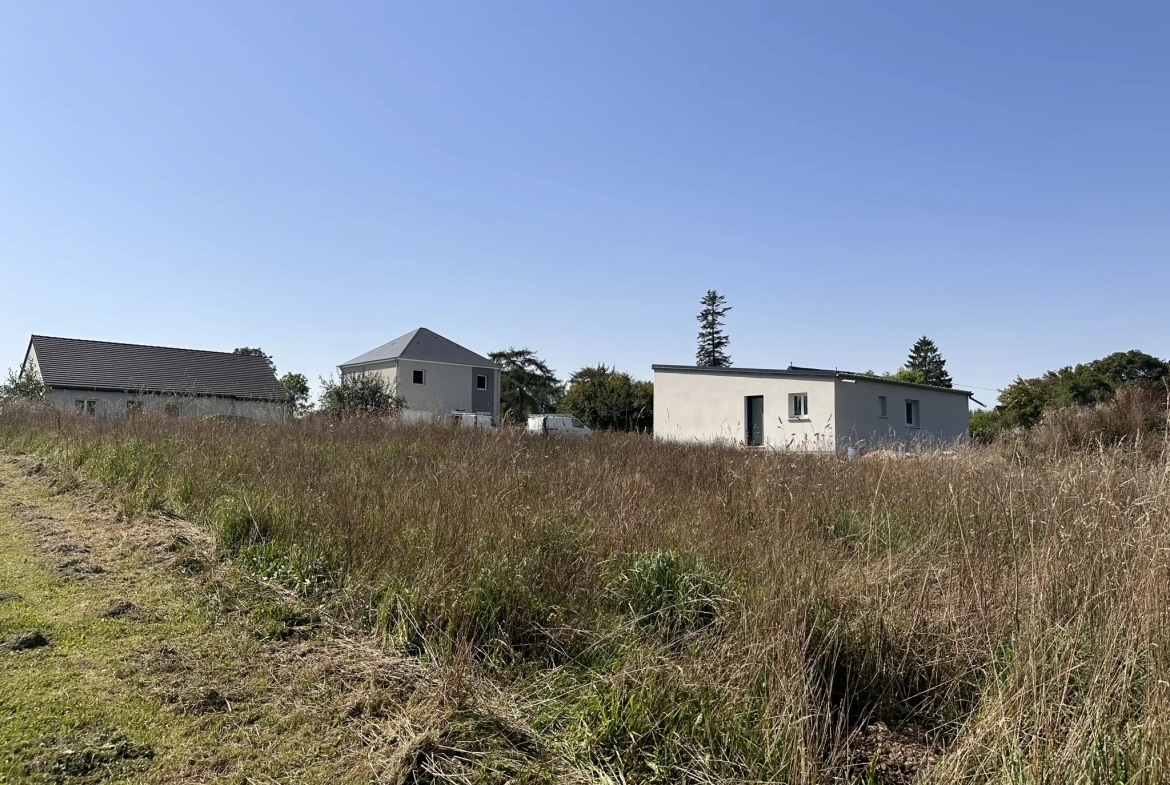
(419, 377)
(798, 405)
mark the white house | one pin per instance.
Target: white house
(104, 379)
(803, 409)
(434, 375)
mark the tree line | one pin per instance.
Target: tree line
(608, 399)
(1025, 402)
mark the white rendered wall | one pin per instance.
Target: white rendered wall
(710, 407)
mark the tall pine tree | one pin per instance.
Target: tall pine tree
(926, 359)
(712, 341)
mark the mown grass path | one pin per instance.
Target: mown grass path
(155, 663)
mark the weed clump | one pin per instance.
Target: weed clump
(671, 593)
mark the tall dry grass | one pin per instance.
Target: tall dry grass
(667, 613)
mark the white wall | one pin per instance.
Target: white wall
(943, 416)
(113, 404)
(708, 407)
(31, 366)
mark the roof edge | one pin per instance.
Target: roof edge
(803, 373)
(489, 364)
(138, 345)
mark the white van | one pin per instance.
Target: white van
(568, 425)
(473, 419)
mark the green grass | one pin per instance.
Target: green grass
(133, 698)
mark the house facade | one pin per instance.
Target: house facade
(434, 375)
(803, 409)
(105, 379)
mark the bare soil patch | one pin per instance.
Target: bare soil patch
(894, 756)
(20, 641)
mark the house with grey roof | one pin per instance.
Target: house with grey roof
(803, 409)
(434, 375)
(105, 379)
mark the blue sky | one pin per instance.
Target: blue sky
(316, 179)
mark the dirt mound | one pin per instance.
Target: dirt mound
(894, 756)
(119, 607)
(31, 639)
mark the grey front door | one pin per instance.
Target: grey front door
(754, 408)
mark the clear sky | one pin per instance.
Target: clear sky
(318, 178)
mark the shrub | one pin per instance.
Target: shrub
(360, 395)
(670, 592)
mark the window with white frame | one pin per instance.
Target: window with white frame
(912, 420)
(798, 406)
(882, 406)
(419, 376)
(171, 409)
(481, 382)
(133, 407)
(88, 408)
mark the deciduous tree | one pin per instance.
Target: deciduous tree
(22, 386)
(296, 387)
(607, 399)
(257, 353)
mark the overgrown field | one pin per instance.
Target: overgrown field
(661, 613)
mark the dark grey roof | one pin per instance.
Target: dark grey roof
(797, 372)
(77, 364)
(422, 344)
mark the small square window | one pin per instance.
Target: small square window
(133, 408)
(419, 377)
(481, 382)
(171, 410)
(912, 414)
(88, 408)
(882, 406)
(798, 405)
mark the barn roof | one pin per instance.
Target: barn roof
(73, 363)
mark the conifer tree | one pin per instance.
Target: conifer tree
(527, 384)
(926, 359)
(712, 340)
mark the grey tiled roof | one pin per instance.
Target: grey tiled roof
(425, 345)
(100, 365)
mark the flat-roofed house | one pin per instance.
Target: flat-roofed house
(105, 379)
(803, 409)
(433, 374)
